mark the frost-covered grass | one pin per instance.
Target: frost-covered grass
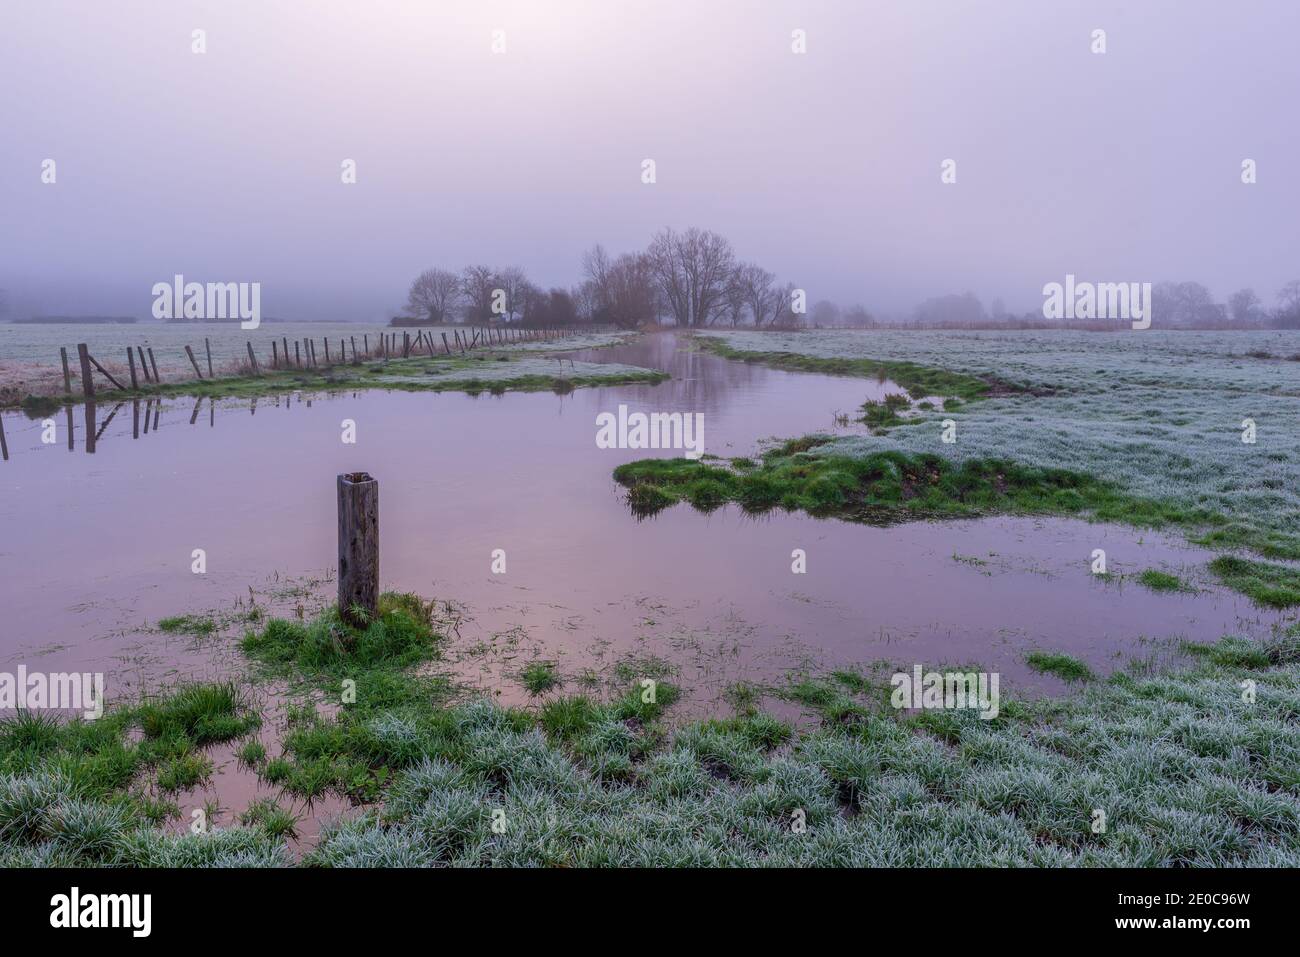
(1182, 768)
(1157, 414)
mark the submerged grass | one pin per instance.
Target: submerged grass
(1187, 771)
(1065, 667)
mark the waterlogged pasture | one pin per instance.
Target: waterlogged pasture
(1158, 413)
(97, 558)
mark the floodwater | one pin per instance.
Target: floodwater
(100, 529)
(98, 545)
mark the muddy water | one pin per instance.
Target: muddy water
(97, 546)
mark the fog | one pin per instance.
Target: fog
(823, 166)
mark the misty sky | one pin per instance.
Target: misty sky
(823, 167)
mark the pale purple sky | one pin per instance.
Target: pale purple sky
(823, 167)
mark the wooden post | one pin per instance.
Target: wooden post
(327, 350)
(107, 375)
(275, 354)
(284, 341)
(144, 366)
(207, 347)
(130, 358)
(252, 358)
(311, 343)
(4, 446)
(365, 341)
(297, 359)
(354, 347)
(156, 376)
(358, 496)
(67, 375)
(194, 362)
(406, 344)
(446, 347)
(87, 383)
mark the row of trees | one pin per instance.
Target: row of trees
(692, 278)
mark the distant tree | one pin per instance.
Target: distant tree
(1243, 305)
(950, 310)
(1288, 302)
(623, 290)
(825, 314)
(734, 298)
(1185, 304)
(998, 310)
(692, 269)
(512, 281)
(857, 317)
(766, 300)
(434, 295)
(477, 284)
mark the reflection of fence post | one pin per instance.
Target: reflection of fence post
(87, 383)
(358, 497)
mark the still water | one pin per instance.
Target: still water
(97, 545)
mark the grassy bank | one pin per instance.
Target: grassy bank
(886, 487)
(1183, 768)
(495, 372)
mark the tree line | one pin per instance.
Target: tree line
(691, 278)
(694, 279)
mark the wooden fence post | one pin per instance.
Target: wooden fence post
(152, 362)
(207, 347)
(130, 358)
(4, 446)
(194, 362)
(67, 375)
(275, 354)
(144, 366)
(252, 358)
(358, 497)
(87, 383)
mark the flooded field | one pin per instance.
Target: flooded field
(98, 543)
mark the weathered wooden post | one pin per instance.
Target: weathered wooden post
(154, 364)
(194, 362)
(67, 375)
(275, 354)
(144, 366)
(358, 546)
(252, 358)
(87, 383)
(207, 347)
(130, 358)
(4, 446)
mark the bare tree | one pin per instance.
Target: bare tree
(734, 298)
(825, 314)
(1288, 299)
(766, 300)
(1244, 305)
(512, 282)
(623, 290)
(477, 284)
(434, 295)
(692, 269)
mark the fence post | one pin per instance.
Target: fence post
(207, 347)
(358, 497)
(130, 358)
(194, 362)
(67, 375)
(87, 383)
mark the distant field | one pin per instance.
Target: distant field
(1160, 413)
